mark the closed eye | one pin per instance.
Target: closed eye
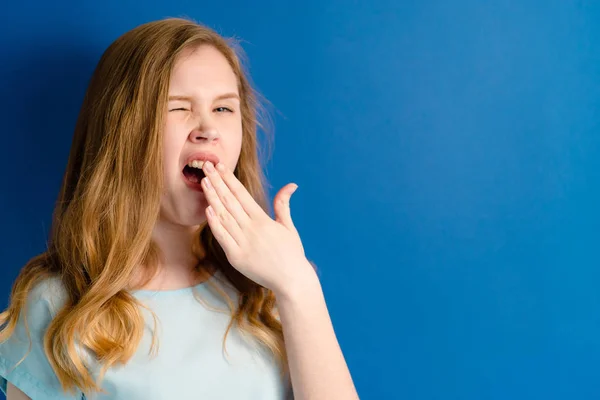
(179, 109)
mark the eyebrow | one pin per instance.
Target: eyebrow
(220, 97)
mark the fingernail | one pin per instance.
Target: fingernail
(209, 167)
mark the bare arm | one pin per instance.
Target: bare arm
(13, 393)
(317, 366)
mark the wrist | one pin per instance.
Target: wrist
(301, 287)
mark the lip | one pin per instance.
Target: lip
(194, 186)
(201, 156)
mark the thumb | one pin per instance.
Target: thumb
(281, 205)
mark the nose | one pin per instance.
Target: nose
(204, 133)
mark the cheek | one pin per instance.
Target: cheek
(233, 149)
(170, 165)
(172, 145)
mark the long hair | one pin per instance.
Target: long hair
(105, 214)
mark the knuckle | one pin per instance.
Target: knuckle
(226, 199)
(235, 190)
(223, 215)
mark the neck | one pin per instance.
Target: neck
(175, 244)
(177, 263)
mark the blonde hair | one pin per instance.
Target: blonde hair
(105, 213)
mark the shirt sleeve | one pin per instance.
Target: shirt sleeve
(33, 376)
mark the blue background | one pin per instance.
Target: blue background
(448, 162)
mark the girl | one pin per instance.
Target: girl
(165, 277)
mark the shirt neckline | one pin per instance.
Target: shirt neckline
(172, 292)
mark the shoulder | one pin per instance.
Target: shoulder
(23, 361)
(46, 297)
(43, 302)
(51, 291)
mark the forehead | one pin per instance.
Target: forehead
(202, 71)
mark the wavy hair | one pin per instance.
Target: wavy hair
(98, 239)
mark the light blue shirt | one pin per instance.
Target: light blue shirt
(190, 362)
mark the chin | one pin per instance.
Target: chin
(190, 218)
(193, 222)
(197, 218)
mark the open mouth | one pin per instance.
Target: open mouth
(192, 174)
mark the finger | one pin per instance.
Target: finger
(226, 196)
(281, 206)
(226, 220)
(220, 233)
(250, 206)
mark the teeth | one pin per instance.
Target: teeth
(196, 164)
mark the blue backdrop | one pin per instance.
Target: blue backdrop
(448, 162)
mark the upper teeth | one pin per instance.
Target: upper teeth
(196, 164)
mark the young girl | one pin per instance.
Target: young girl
(165, 277)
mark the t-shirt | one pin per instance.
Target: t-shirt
(190, 362)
